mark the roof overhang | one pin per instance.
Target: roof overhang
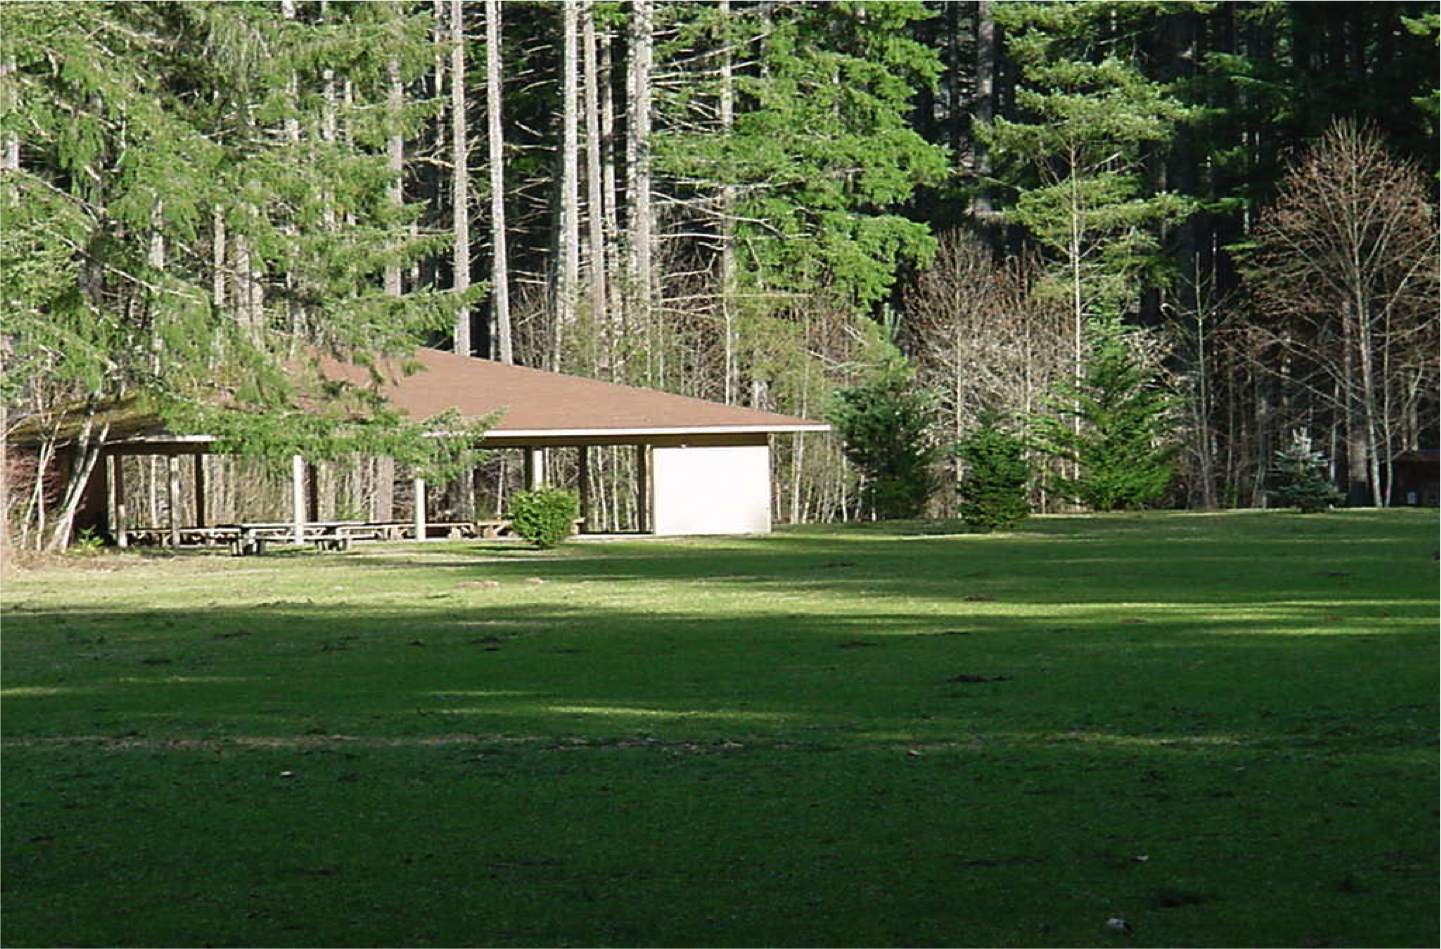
(528, 407)
(500, 438)
(648, 432)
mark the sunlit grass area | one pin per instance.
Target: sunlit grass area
(1221, 728)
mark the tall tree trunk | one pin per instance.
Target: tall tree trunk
(9, 141)
(292, 136)
(1354, 395)
(395, 162)
(568, 271)
(460, 176)
(156, 259)
(638, 172)
(382, 467)
(983, 108)
(5, 538)
(727, 222)
(248, 281)
(9, 161)
(245, 293)
(329, 121)
(218, 255)
(595, 200)
(1370, 396)
(500, 266)
(610, 197)
(85, 452)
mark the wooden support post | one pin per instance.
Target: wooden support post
(201, 519)
(583, 476)
(297, 496)
(312, 492)
(535, 476)
(642, 488)
(419, 485)
(152, 490)
(172, 497)
(117, 504)
(106, 469)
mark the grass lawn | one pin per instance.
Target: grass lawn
(1221, 728)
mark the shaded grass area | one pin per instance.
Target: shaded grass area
(1219, 727)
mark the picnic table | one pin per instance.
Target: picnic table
(202, 536)
(252, 538)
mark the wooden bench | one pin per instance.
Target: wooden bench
(184, 536)
(341, 537)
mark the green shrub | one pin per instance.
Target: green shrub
(1299, 477)
(544, 517)
(993, 487)
(87, 543)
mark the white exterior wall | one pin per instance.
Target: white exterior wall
(712, 490)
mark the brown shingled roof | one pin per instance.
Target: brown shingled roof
(550, 404)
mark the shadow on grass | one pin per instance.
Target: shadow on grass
(548, 669)
(853, 737)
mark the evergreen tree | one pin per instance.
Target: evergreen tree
(1428, 26)
(1113, 426)
(1075, 148)
(199, 220)
(819, 152)
(884, 426)
(1300, 477)
(993, 485)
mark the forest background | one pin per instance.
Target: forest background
(749, 202)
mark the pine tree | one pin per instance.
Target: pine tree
(184, 221)
(884, 425)
(1074, 151)
(993, 486)
(1300, 477)
(784, 132)
(1113, 425)
(1428, 26)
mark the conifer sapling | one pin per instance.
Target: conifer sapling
(1300, 477)
(993, 487)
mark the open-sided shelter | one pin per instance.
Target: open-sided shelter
(705, 468)
(1417, 477)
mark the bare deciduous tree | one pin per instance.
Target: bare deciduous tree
(981, 336)
(1344, 275)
